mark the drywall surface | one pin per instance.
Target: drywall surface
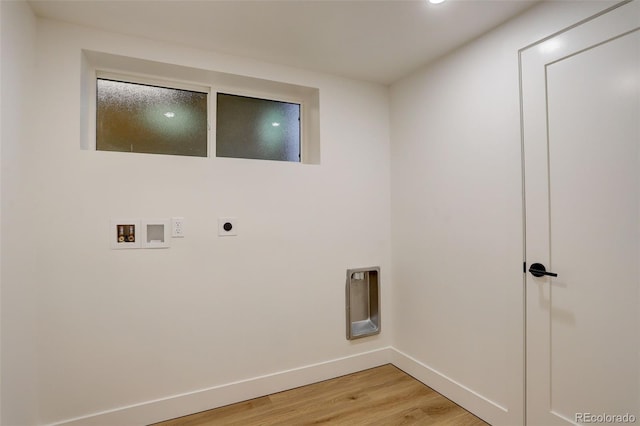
(457, 245)
(123, 327)
(18, 281)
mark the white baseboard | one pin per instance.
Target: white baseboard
(488, 410)
(218, 396)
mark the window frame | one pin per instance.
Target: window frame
(151, 81)
(96, 64)
(234, 91)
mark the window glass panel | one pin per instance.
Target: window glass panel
(135, 117)
(257, 128)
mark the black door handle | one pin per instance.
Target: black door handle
(538, 270)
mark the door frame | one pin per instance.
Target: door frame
(532, 62)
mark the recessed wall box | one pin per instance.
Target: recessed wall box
(156, 233)
(124, 233)
(363, 302)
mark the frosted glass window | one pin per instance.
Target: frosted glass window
(135, 117)
(257, 128)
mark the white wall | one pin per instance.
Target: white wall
(122, 327)
(18, 286)
(457, 217)
(113, 329)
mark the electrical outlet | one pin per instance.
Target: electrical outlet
(227, 226)
(177, 227)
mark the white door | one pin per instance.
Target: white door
(581, 145)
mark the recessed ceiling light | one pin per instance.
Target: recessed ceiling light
(436, 1)
(169, 114)
(275, 124)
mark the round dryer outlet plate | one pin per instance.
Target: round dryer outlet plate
(227, 226)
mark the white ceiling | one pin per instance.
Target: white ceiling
(374, 40)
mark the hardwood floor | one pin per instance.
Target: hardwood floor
(380, 396)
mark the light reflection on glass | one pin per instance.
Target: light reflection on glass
(133, 118)
(257, 128)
